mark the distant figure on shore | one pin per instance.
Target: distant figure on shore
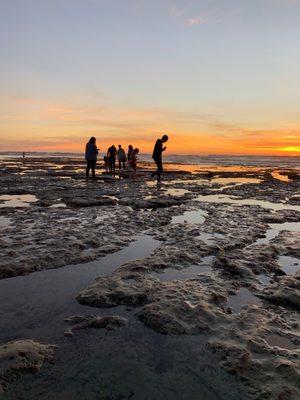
(130, 150)
(133, 159)
(91, 153)
(121, 156)
(111, 154)
(23, 155)
(106, 163)
(157, 156)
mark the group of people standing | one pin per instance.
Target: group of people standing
(124, 160)
(120, 155)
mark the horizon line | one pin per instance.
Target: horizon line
(169, 155)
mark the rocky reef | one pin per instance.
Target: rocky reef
(225, 269)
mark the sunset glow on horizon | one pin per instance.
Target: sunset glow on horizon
(217, 77)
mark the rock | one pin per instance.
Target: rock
(109, 322)
(21, 357)
(285, 293)
(116, 290)
(86, 202)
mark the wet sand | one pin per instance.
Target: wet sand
(191, 287)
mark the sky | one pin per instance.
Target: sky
(218, 76)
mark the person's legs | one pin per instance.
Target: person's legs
(93, 166)
(110, 163)
(155, 172)
(88, 167)
(159, 169)
(119, 164)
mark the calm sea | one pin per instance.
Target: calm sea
(264, 161)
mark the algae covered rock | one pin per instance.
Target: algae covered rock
(22, 357)
(109, 322)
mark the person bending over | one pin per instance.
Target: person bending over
(157, 156)
(91, 153)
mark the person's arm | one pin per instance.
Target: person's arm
(164, 148)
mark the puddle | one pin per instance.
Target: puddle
(234, 180)
(206, 237)
(277, 175)
(151, 183)
(172, 274)
(176, 192)
(274, 230)
(276, 340)
(217, 198)
(22, 200)
(190, 217)
(188, 182)
(243, 298)
(289, 265)
(58, 205)
(70, 219)
(129, 281)
(180, 182)
(28, 303)
(4, 222)
(264, 279)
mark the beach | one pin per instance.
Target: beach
(125, 289)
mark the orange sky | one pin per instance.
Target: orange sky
(40, 125)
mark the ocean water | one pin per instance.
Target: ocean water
(226, 160)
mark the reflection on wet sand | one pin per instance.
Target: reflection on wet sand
(22, 200)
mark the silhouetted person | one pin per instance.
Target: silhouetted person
(133, 159)
(121, 156)
(23, 155)
(111, 154)
(106, 163)
(130, 150)
(91, 153)
(157, 156)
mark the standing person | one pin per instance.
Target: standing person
(130, 150)
(91, 152)
(121, 156)
(133, 159)
(111, 154)
(157, 156)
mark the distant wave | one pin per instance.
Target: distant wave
(264, 161)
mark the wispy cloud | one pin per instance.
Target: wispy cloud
(186, 19)
(195, 21)
(176, 12)
(43, 124)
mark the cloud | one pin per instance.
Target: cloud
(195, 21)
(176, 12)
(39, 123)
